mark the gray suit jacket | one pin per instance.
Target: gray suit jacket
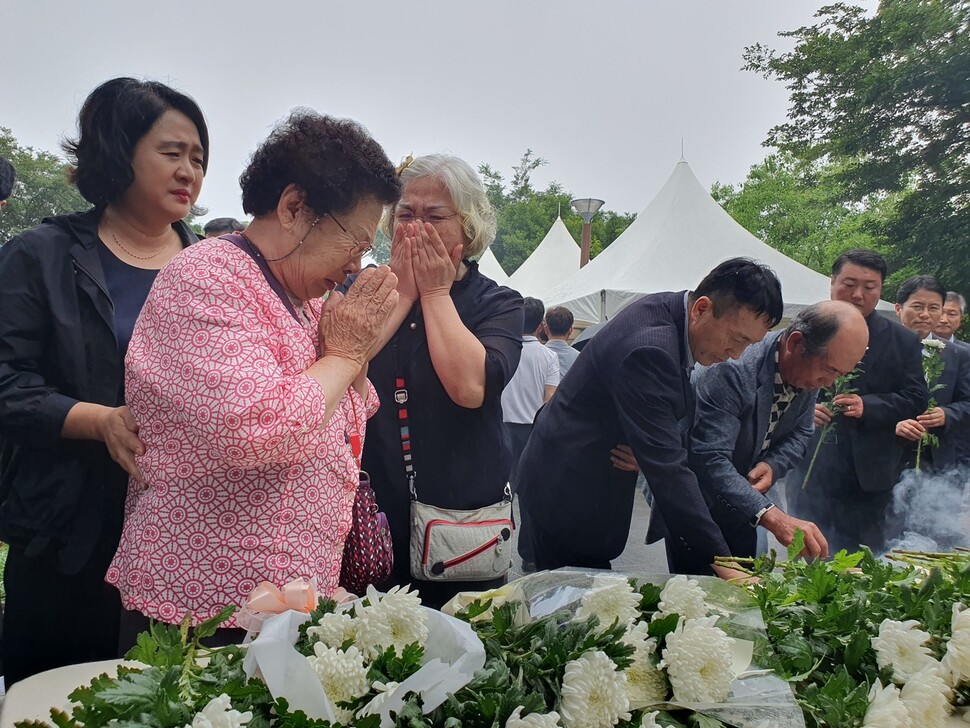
(731, 420)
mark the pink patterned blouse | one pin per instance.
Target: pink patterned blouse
(244, 481)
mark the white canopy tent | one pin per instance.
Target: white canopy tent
(677, 239)
(553, 261)
(489, 265)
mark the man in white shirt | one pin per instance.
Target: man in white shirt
(559, 327)
(533, 383)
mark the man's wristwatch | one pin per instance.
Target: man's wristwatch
(756, 521)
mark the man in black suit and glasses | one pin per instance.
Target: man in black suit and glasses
(850, 489)
(631, 385)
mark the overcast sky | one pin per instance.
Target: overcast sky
(603, 90)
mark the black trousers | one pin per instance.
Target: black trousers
(52, 619)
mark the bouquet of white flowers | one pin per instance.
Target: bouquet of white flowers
(566, 649)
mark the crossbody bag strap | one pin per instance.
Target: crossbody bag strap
(401, 398)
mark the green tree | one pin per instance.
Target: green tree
(525, 214)
(798, 208)
(886, 98)
(41, 189)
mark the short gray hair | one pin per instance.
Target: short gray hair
(817, 327)
(466, 190)
(954, 297)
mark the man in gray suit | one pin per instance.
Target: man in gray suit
(754, 416)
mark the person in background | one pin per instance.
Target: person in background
(850, 489)
(250, 392)
(954, 308)
(452, 345)
(919, 305)
(70, 291)
(7, 178)
(533, 384)
(631, 385)
(558, 325)
(754, 421)
(222, 226)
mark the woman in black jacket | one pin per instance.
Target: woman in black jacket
(70, 291)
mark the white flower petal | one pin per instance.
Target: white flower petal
(533, 720)
(697, 659)
(885, 710)
(593, 693)
(902, 646)
(683, 596)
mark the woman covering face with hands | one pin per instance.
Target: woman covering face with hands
(251, 392)
(452, 344)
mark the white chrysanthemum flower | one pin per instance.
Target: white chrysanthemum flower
(698, 661)
(593, 693)
(611, 598)
(929, 343)
(394, 619)
(885, 709)
(682, 596)
(533, 720)
(956, 661)
(649, 720)
(638, 635)
(927, 698)
(384, 691)
(333, 629)
(342, 675)
(219, 713)
(902, 645)
(646, 683)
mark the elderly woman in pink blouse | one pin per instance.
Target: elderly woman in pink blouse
(251, 392)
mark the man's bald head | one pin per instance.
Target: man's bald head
(824, 341)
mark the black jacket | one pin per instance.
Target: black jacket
(954, 399)
(892, 389)
(629, 386)
(58, 348)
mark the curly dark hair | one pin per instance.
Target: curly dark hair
(114, 118)
(334, 161)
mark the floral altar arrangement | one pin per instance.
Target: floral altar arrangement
(870, 642)
(567, 649)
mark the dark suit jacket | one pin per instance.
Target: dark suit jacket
(954, 399)
(892, 389)
(733, 412)
(629, 385)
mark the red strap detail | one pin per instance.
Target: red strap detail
(402, 414)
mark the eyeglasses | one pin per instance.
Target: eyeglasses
(359, 247)
(405, 217)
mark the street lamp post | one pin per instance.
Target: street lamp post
(587, 207)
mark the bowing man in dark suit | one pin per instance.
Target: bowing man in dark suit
(919, 303)
(754, 418)
(850, 489)
(631, 385)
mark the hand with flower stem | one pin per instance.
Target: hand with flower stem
(841, 400)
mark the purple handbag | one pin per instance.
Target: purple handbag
(368, 550)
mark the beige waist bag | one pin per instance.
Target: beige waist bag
(455, 545)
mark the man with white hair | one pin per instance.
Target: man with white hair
(754, 416)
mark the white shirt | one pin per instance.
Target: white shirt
(525, 392)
